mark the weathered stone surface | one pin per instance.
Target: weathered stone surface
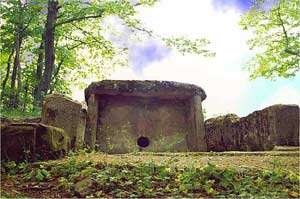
(127, 116)
(287, 123)
(91, 121)
(260, 130)
(67, 114)
(256, 132)
(196, 140)
(160, 89)
(32, 141)
(222, 134)
(4, 120)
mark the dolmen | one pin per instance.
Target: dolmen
(151, 116)
(156, 116)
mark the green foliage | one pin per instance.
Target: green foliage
(276, 37)
(13, 168)
(64, 184)
(71, 167)
(166, 180)
(41, 174)
(184, 45)
(82, 48)
(19, 113)
(10, 167)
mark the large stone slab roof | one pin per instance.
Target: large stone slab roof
(160, 89)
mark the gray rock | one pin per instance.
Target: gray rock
(287, 119)
(260, 130)
(221, 133)
(67, 114)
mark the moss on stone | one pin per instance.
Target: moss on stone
(144, 88)
(57, 138)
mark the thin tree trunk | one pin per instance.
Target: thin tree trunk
(55, 75)
(39, 72)
(49, 50)
(3, 92)
(13, 95)
(25, 95)
(19, 85)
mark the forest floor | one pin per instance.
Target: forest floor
(204, 174)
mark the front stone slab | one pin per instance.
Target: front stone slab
(128, 116)
(62, 112)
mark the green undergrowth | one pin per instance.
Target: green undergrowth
(148, 179)
(12, 113)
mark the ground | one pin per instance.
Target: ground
(205, 174)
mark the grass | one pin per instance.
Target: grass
(12, 113)
(272, 174)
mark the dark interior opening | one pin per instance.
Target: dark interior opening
(143, 141)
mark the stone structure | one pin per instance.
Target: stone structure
(127, 116)
(261, 130)
(4, 120)
(62, 112)
(287, 124)
(32, 141)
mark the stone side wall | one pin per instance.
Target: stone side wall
(287, 118)
(221, 133)
(260, 130)
(62, 112)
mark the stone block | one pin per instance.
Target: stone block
(287, 120)
(32, 141)
(221, 133)
(255, 132)
(62, 112)
(260, 130)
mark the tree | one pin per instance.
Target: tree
(17, 17)
(63, 41)
(276, 37)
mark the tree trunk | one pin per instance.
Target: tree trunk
(25, 101)
(49, 50)
(19, 85)
(39, 73)
(55, 76)
(3, 92)
(13, 100)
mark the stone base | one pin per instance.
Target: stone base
(32, 141)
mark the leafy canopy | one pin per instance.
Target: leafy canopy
(83, 46)
(276, 36)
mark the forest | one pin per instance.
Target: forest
(47, 46)
(136, 138)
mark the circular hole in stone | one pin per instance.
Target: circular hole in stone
(143, 141)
